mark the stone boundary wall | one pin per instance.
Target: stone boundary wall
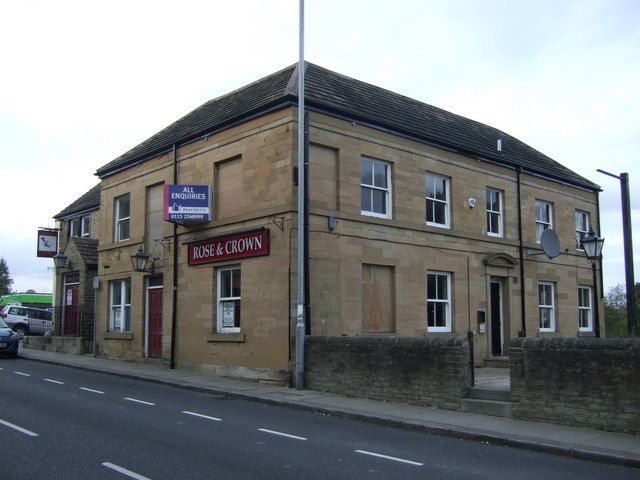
(585, 382)
(423, 371)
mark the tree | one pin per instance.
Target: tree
(615, 312)
(5, 279)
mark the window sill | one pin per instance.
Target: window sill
(118, 336)
(226, 337)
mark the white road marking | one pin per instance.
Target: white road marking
(54, 381)
(202, 416)
(23, 374)
(138, 401)
(124, 471)
(91, 390)
(386, 457)
(295, 437)
(20, 429)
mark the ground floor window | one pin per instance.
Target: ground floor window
(120, 306)
(585, 316)
(438, 302)
(546, 306)
(228, 314)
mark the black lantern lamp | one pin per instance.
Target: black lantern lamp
(60, 261)
(140, 261)
(592, 246)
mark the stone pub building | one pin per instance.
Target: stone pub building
(421, 223)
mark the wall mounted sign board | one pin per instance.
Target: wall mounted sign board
(254, 243)
(187, 204)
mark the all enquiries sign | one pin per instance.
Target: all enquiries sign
(229, 247)
(187, 204)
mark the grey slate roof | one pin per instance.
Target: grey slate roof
(89, 201)
(335, 94)
(87, 248)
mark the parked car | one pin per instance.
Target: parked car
(9, 340)
(27, 320)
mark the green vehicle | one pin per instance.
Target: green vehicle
(37, 300)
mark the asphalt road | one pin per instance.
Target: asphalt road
(61, 423)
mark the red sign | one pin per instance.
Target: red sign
(47, 243)
(229, 247)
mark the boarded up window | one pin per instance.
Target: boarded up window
(377, 299)
(154, 221)
(228, 188)
(323, 177)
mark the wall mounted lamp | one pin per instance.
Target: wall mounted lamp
(140, 261)
(60, 262)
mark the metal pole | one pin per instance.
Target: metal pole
(596, 311)
(300, 324)
(628, 251)
(628, 247)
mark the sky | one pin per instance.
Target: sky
(82, 82)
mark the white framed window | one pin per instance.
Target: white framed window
(547, 306)
(544, 217)
(438, 302)
(120, 306)
(122, 218)
(80, 226)
(229, 296)
(437, 200)
(585, 309)
(494, 212)
(375, 188)
(582, 227)
(85, 226)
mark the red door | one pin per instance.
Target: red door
(71, 310)
(155, 322)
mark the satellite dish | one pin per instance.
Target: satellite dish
(550, 243)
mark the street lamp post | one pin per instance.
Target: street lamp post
(592, 246)
(628, 247)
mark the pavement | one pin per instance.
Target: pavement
(596, 445)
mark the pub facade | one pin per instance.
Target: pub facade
(421, 222)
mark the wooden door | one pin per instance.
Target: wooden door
(71, 316)
(154, 317)
(496, 319)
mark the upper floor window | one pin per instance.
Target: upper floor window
(229, 296)
(544, 218)
(120, 306)
(122, 218)
(547, 306)
(582, 227)
(437, 199)
(80, 226)
(494, 212)
(375, 188)
(585, 323)
(438, 302)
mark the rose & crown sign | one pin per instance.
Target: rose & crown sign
(229, 247)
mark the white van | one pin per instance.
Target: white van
(27, 320)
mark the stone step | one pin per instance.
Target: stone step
(496, 362)
(486, 407)
(500, 395)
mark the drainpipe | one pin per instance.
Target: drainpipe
(523, 331)
(307, 292)
(174, 302)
